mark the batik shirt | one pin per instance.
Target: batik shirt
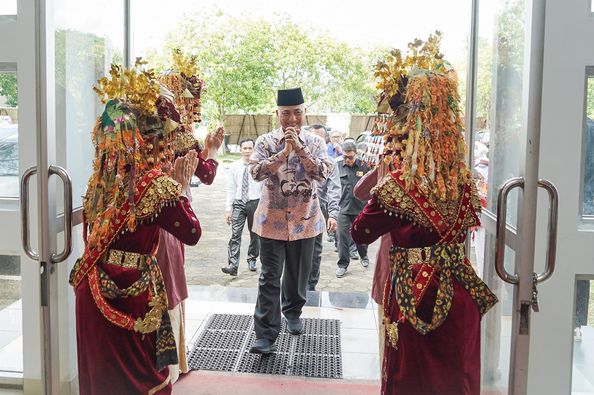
(289, 208)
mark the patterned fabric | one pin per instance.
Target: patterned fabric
(447, 261)
(289, 208)
(446, 217)
(245, 186)
(157, 318)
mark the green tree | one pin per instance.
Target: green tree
(244, 60)
(8, 88)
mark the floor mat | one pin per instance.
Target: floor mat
(226, 339)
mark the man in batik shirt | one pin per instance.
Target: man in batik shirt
(289, 161)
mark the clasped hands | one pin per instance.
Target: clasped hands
(292, 142)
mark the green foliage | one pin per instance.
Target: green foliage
(8, 88)
(590, 98)
(245, 60)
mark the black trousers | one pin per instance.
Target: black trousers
(344, 240)
(314, 275)
(240, 212)
(295, 258)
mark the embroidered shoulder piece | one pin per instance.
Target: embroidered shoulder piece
(447, 217)
(161, 191)
(395, 200)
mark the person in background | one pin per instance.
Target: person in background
(351, 169)
(335, 144)
(243, 195)
(289, 161)
(329, 196)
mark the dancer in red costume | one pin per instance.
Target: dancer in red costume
(433, 300)
(124, 334)
(180, 112)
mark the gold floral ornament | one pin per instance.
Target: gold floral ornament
(183, 81)
(422, 55)
(135, 86)
(186, 64)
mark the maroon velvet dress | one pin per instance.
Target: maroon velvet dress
(112, 359)
(171, 252)
(446, 360)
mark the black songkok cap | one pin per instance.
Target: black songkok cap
(289, 97)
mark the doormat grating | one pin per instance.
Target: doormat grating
(226, 339)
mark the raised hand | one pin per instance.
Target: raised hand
(184, 167)
(214, 140)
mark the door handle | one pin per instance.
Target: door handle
(552, 232)
(67, 183)
(500, 229)
(24, 187)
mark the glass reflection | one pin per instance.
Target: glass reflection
(499, 130)
(11, 358)
(87, 43)
(588, 170)
(583, 338)
(9, 135)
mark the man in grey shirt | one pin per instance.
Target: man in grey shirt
(329, 196)
(351, 169)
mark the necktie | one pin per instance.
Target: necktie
(245, 185)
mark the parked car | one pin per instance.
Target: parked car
(9, 161)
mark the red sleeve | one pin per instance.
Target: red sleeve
(372, 223)
(181, 222)
(206, 170)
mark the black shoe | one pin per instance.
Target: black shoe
(263, 346)
(230, 270)
(252, 266)
(295, 326)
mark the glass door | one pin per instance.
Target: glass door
(562, 337)
(55, 51)
(507, 45)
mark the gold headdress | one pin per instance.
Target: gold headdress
(121, 151)
(424, 134)
(187, 88)
(134, 86)
(392, 71)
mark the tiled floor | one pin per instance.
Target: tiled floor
(357, 312)
(11, 341)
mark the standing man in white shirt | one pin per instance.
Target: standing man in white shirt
(243, 195)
